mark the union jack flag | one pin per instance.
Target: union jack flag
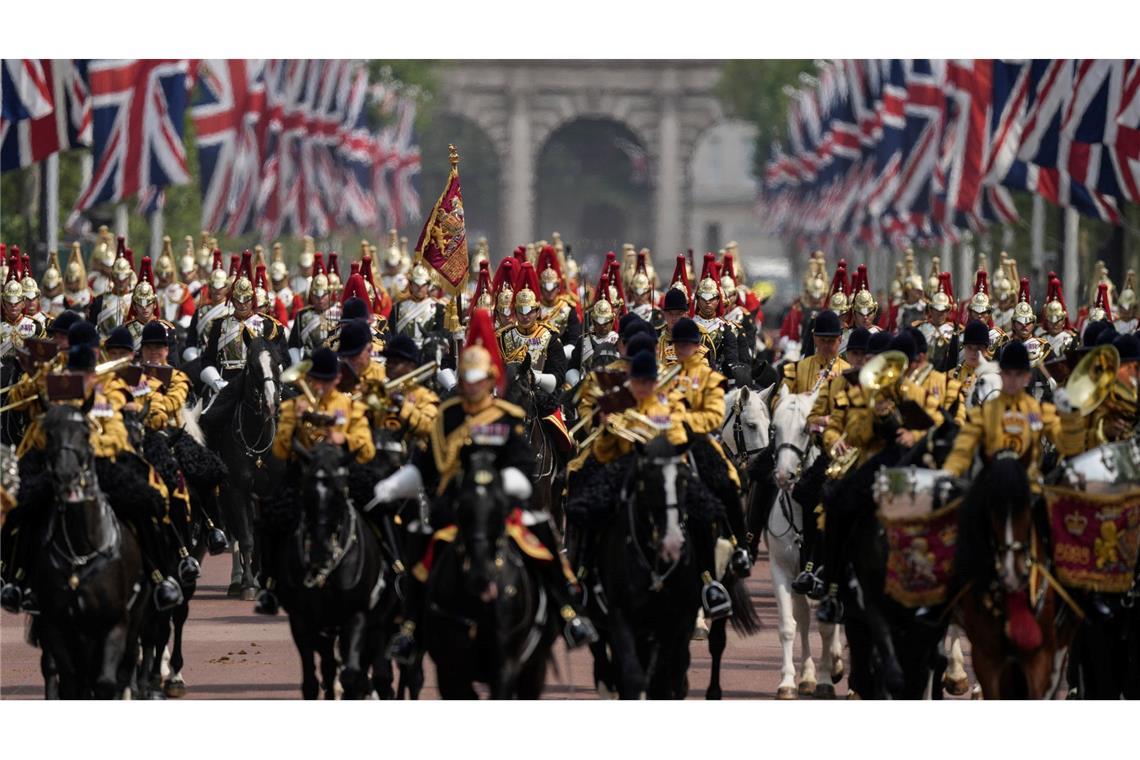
(405, 198)
(138, 108)
(46, 109)
(230, 121)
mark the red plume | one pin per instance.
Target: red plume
(603, 280)
(709, 269)
(129, 255)
(482, 285)
(615, 281)
(355, 288)
(680, 274)
(334, 267)
(548, 259)
(728, 266)
(354, 268)
(481, 332)
(121, 247)
(13, 266)
(145, 273)
(1023, 291)
(235, 265)
(26, 270)
(1056, 293)
(1103, 301)
(981, 282)
(839, 282)
(520, 253)
(505, 274)
(260, 280)
(641, 266)
(217, 260)
(527, 278)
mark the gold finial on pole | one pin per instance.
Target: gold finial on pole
(453, 157)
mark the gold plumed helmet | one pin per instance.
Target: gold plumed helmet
(205, 251)
(572, 268)
(475, 364)
(31, 288)
(506, 300)
(914, 282)
(393, 256)
(219, 279)
(839, 303)
(486, 300)
(121, 269)
(864, 302)
(1023, 311)
(1127, 298)
(940, 301)
(278, 271)
(602, 312)
(52, 276)
(420, 275)
(933, 280)
(308, 253)
(164, 267)
(75, 276)
(980, 303)
(243, 292)
(816, 287)
(640, 283)
(482, 252)
(186, 262)
(143, 294)
(525, 300)
(549, 279)
(319, 285)
(13, 291)
(104, 252)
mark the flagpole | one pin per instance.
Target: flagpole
(157, 229)
(1070, 259)
(49, 206)
(1037, 239)
(121, 220)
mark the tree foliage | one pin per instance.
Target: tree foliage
(752, 90)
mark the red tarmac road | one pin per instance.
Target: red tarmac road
(232, 653)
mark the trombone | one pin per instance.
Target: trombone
(100, 371)
(662, 382)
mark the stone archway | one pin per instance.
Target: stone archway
(592, 184)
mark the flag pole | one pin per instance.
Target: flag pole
(49, 206)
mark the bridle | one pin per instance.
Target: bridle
(657, 577)
(67, 552)
(255, 449)
(316, 577)
(742, 453)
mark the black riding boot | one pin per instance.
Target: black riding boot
(715, 600)
(267, 603)
(563, 587)
(11, 564)
(840, 522)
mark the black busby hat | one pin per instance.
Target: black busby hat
(1093, 331)
(83, 333)
(81, 357)
(403, 347)
(354, 308)
(878, 343)
(859, 339)
(686, 331)
(919, 339)
(626, 320)
(643, 366)
(903, 342)
(63, 323)
(676, 300)
(827, 325)
(154, 334)
(1129, 348)
(355, 336)
(1014, 357)
(636, 327)
(976, 334)
(1107, 335)
(120, 337)
(325, 365)
(638, 343)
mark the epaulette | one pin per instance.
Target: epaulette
(510, 408)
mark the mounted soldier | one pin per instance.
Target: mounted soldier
(980, 308)
(175, 301)
(76, 292)
(306, 270)
(642, 291)
(313, 324)
(1055, 326)
(51, 289)
(557, 307)
(418, 314)
(144, 307)
(112, 308)
(214, 305)
(717, 334)
(102, 259)
(16, 327)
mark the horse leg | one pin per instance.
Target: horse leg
(352, 675)
(50, 673)
(175, 687)
(326, 648)
(52, 641)
(802, 612)
(605, 681)
(786, 627)
(718, 639)
(303, 639)
(830, 660)
(632, 681)
(955, 680)
(114, 648)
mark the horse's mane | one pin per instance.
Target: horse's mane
(1001, 489)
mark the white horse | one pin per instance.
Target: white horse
(794, 453)
(744, 431)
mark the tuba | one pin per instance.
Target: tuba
(1091, 381)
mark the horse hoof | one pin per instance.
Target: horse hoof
(824, 691)
(853, 695)
(234, 590)
(976, 692)
(838, 671)
(248, 594)
(786, 692)
(807, 688)
(174, 689)
(956, 687)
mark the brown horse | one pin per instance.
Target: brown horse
(1020, 628)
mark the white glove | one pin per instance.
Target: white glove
(516, 484)
(568, 350)
(191, 353)
(295, 354)
(184, 321)
(573, 376)
(404, 483)
(1062, 401)
(546, 381)
(211, 377)
(446, 378)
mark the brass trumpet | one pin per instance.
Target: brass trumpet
(295, 375)
(101, 371)
(662, 382)
(841, 464)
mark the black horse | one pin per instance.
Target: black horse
(895, 652)
(523, 392)
(488, 617)
(650, 580)
(240, 427)
(89, 573)
(337, 588)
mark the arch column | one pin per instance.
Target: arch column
(668, 198)
(518, 174)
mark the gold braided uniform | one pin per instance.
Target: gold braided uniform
(662, 409)
(801, 377)
(702, 391)
(349, 418)
(416, 415)
(853, 418)
(166, 401)
(934, 393)
(587, 402)
(1006, 422)
(1084, 433)
(666, 352)
(108, 433)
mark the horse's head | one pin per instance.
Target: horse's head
(747, 422)
(791, 437)
(660, 479)
(262, 377)
(324, 493)
(391, 450)
(481, 515)
(520, 385)
(70, 460)
(986, 385)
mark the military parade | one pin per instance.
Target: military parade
(870, 443)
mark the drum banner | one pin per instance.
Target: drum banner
(920, 559)
(1096, 538)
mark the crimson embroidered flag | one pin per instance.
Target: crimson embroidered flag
(443, 242)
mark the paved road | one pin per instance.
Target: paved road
(233, 654)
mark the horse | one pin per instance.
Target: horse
(650, 579)
(521, 390)
(1020, 629)
(340, 590)
(243, 437)
(89, 574)
(488, 617)
(794, 453)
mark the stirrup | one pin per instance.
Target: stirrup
(167, 595)
(715, 601)
(741, 563)
(578, 630)
(189, 570)
(805, 581)
(830, 611)
(266, 603)
(216, 542)
(10, 598)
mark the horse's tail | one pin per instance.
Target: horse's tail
(190, 415)
(744, 619)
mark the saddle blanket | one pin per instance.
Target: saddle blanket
(526, 541)
(920, 558)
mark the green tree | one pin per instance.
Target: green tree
(753, 90)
